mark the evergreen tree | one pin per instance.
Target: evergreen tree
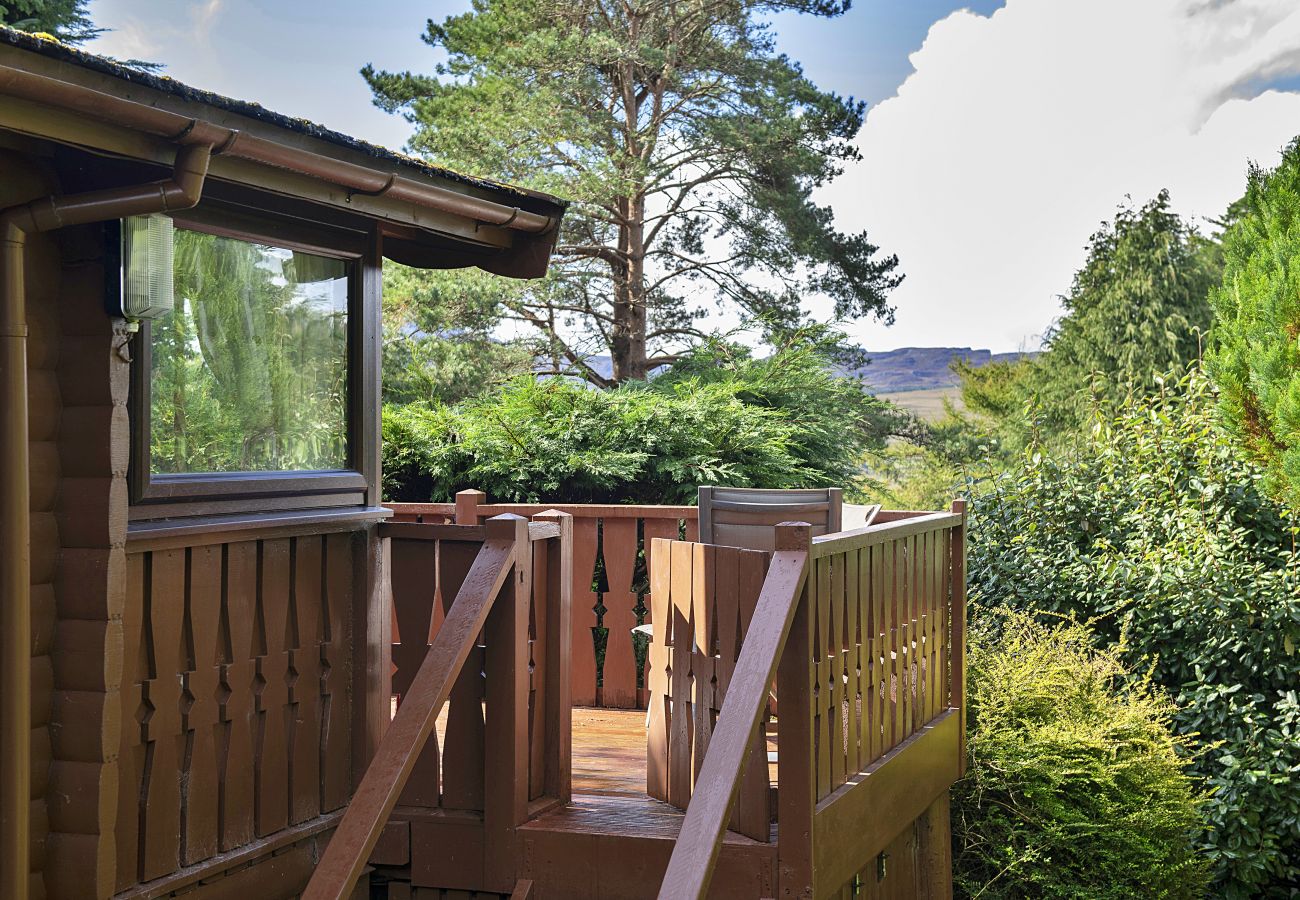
(1256, 359)
(67, 20)
(1138, 308)
(690, 147)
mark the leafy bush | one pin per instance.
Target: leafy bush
(1156, 527)
(723, 417)
(1076, 787)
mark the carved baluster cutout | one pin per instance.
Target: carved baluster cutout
(271, 768)
(165, 740)
(238, 680)
(305, 698)
(132, 751)
(336, 737)
(202, 710)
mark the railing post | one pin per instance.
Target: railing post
(796, 757)
(505, 782)
(958, 655)
(467, 504)
(559, 641)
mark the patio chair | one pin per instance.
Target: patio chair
(745, 517)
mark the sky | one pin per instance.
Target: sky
(999, 133)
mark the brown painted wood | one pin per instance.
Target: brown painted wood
(859, 820)
(202, 724)
(337, 723)
(557, 649)
(619, 545)
(934, 851)
(385, 777)
(681, 634)
(160, 792)
(699, 653)
(538, 668)
(958, 602)
(414, 581)
(657, 675)
(463, 747)
(819, 595)
(836, 718)
(753, 813)
(271, 763)
(695, 854)
(505, 797)
(132, 752)
(583, 661)
(238, 677)
(305, 680)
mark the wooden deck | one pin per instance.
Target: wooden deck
(616, 834)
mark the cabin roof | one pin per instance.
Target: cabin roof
(55, 49)
(429, 216)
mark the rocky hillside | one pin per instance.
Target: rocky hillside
(921, 368)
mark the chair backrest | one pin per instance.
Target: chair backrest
(744, 517)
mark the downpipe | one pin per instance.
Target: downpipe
(181, 191)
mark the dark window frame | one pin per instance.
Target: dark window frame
(167, 495)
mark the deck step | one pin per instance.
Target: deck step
(602, 847)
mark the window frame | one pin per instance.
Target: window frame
(167, 495)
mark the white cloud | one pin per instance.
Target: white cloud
(1020, 132)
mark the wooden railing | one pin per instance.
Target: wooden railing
(704, 602)
(870, 687)
(612, 556)
(514, 726)
(730, 751)
(236, 708)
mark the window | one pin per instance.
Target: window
(242, 381)
(249, 369)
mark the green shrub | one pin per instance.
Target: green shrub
(722, 417)
(1156, 527)
(1076, 786)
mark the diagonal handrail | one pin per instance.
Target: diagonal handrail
(386, 776)
(698, 843)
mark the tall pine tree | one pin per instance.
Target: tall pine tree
(690, 146)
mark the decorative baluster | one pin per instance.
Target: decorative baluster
(238, 686)
(161, 789)
(305, 693)
(202, 720)
(271, 771)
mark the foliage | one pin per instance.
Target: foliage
(1138, 308)
(723, 418)
(1155, 527)
(438, 336)
(67, 20)
(1256, 360)
(249, 370)
(1076, 786)
(691, 150)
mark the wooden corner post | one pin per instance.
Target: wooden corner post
(467, 504)
(505, 738)
(958, 644)
(559, 640)
(796, 762)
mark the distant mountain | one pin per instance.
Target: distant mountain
(922, 368)
(894, 371)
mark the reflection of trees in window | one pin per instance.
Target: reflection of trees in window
(250, 369)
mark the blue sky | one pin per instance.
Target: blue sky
(999, 133)
(302, 58)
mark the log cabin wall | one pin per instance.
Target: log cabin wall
(22, 178)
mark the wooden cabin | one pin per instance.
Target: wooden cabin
(228, 670)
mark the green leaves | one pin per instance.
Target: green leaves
(1157, 531)
(722, 417)
(1256, 358)
(1077, 788)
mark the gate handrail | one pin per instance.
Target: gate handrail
(349, 848)
(695, 853)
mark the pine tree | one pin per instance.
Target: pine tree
(690, 146)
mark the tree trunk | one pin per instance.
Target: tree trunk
(628, 332)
